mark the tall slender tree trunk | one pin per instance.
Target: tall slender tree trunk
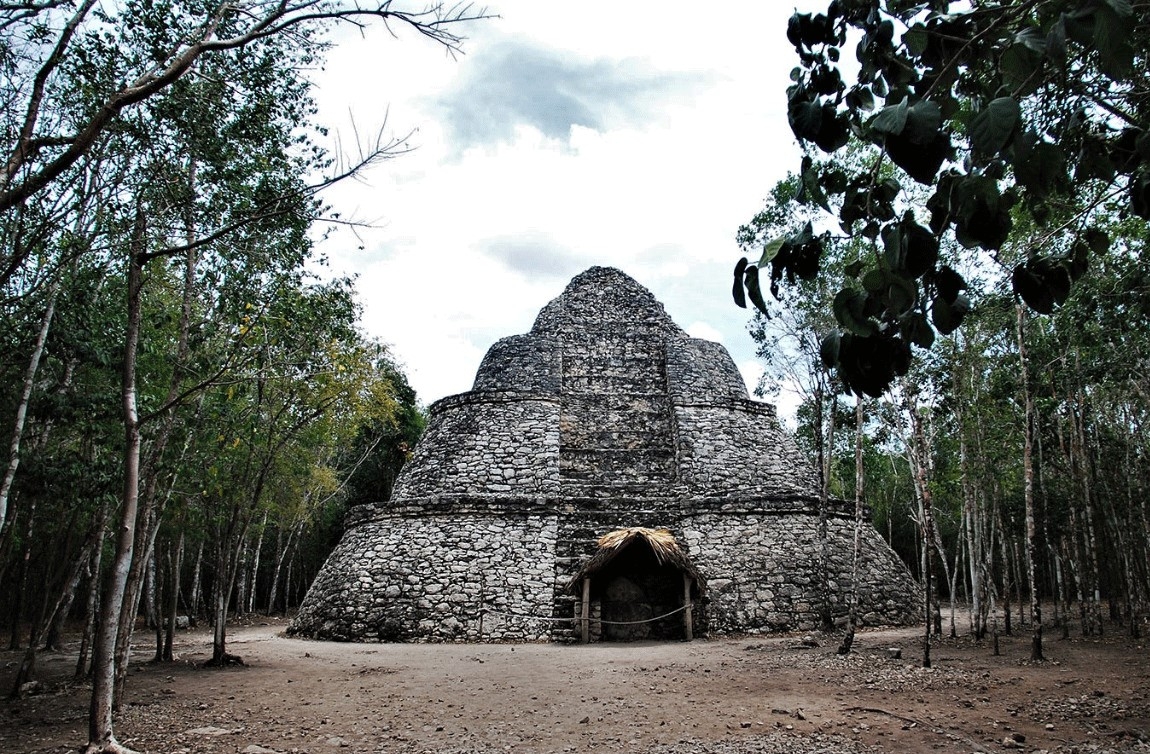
(50, 606)
(1004, 546)
(167, 654)
(1028, 494)
(860, 479)
(54, 635)
(150, 503)
(922, 486)
(92, 608)
(826, 451)
(196, 599)
(18, 609)
(101, 736)
(159, 582)
(255, 569)
(22, 404)
(278, 564)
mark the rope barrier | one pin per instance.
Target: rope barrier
(489, 611)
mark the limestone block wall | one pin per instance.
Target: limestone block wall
(425, 573)
(739, 445)
(763, 571)
(483, 442)
(702, 370)
(521, 363)
(425, 579)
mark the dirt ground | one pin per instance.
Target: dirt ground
(727, 696)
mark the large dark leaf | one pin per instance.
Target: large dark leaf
(1112, 30)
(1020, 66)
(949, 283)
(948, 315)
(1032, 289)
(829, 350)
(982, 214)
(868, 365)
(1041, 169)
(891, 120)
(920, 161)
(917, 330)
(921, 249)
(805, 117)
(993, 127)
(923, 120)
(751, 278)
(737, 290)
(850, 312)
(834, 130)
(1140, 196)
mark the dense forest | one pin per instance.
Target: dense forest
(1013, 400)
(961, 252)
(188, 403)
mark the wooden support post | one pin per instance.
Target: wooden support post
(688, 622)
(585, 615)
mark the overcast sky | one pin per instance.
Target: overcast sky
(568, 135)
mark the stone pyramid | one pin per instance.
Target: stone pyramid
(606, 415)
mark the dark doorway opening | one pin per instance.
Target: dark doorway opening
(639, 597)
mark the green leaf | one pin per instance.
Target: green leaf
(917, 330)
(1140, 196)
(1056, 43)
(948, 283)
(982, 217)
(1019, 67)
(993, 127)
(771, 250)
(809, 188)
(923, 119)
(737, 290)
(1098, 240)
(892, 245)
(891, 119)
(834, 132)
(901, 294)
(829, 350)
(874, 280)
(1123, 8)
(1112, 31)
(916, 39)
(1042, 169)
(860, 98)
(848, 307)
(920, 161)
(1032, 289)
(948, 315)
(751, 278)
(921, 249)
(805, 118)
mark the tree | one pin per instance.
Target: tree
(172, 141)
(997, 108)
(80, 66)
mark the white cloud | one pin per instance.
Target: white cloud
(682, 134)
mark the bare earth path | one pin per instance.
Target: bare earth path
(728, 696)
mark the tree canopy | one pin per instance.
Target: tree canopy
(1007, 114)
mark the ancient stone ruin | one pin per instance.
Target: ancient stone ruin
(605, 417)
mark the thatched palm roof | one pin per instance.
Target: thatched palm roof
(661, 542)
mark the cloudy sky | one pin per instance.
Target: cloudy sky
(567, 135)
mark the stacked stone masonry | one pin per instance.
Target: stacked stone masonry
(606, 415)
